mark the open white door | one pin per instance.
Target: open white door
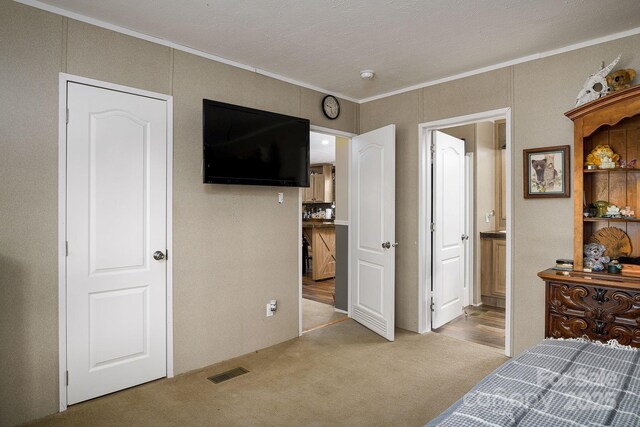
(117, 237)
(449, 228)
(372, 230)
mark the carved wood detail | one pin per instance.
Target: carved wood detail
(600, 313)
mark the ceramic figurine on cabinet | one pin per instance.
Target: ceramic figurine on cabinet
(627, 165)
(613, 212)
(603, 157)
(626, 212)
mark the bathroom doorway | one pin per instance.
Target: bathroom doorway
(465, 223)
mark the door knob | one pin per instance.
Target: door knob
(395, 244)
(387, 245)
(158, 255)
(464, 237)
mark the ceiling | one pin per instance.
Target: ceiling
(322, 148)
(325, 44)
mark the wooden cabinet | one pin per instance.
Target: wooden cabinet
(493, 273)
(320, 189)
(613, 120)
(599, 306)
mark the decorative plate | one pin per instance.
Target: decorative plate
(615, 240)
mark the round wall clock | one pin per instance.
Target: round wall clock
(330, 107)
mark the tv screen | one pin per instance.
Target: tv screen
(247, 146)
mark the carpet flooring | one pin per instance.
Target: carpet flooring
(340, 375)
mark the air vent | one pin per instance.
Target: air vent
(235, 372)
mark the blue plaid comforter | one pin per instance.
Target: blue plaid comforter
(556, 383)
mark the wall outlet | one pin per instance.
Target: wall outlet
(272, 306)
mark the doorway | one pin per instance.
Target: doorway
(323, 286)
(465, 232)
(114, 238)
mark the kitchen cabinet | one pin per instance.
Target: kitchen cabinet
(322, 238)
(493, 268)
(320, 189)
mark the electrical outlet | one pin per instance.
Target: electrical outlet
(272, 306)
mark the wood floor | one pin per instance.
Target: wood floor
(320, 291)
(482, 325)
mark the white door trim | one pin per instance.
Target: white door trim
(425, 131)
(333, 132)
(62, 215)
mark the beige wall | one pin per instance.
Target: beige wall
(542, 229)
(234, 247)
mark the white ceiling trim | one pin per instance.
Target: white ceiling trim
(631, 32)
(98, 23)
(79, 17)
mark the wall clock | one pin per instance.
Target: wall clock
(330, 107)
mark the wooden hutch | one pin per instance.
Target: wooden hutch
(601, 306)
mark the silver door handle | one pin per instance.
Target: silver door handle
(158, 255)
(464, 237)
(387, 245)
(395, 244)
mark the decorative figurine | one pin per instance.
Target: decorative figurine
(596, 85)
(603, 157)
(627, 165)
(593, 257)
(627, 212)
(613, 211)
(620, 79)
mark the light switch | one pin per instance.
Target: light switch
(281, 198)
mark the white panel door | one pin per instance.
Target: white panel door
(449, 222)
(116, 220)
(372, 230)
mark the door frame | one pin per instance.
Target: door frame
(425, 131)
(328, 131)
(64, 79)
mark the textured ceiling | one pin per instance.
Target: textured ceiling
(326, 43)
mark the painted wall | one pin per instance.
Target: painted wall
(539, 92)
(234, 247)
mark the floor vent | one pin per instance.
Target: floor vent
(235, 372)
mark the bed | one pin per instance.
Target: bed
(556, 383)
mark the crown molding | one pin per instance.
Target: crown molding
(83, 18)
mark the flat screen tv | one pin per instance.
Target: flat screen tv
(254, 147)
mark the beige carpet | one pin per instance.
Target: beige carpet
(340, 375)
(315, 314)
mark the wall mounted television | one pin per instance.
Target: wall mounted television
(247, 146)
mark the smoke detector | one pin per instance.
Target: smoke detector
(367, 74)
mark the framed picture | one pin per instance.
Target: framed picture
(546, 172)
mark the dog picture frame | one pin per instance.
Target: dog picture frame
(547, 172)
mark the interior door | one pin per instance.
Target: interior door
(116, 221)
(372, 230)
(449, 228)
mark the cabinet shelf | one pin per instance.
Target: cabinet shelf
(611, 219)
(625, 170)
